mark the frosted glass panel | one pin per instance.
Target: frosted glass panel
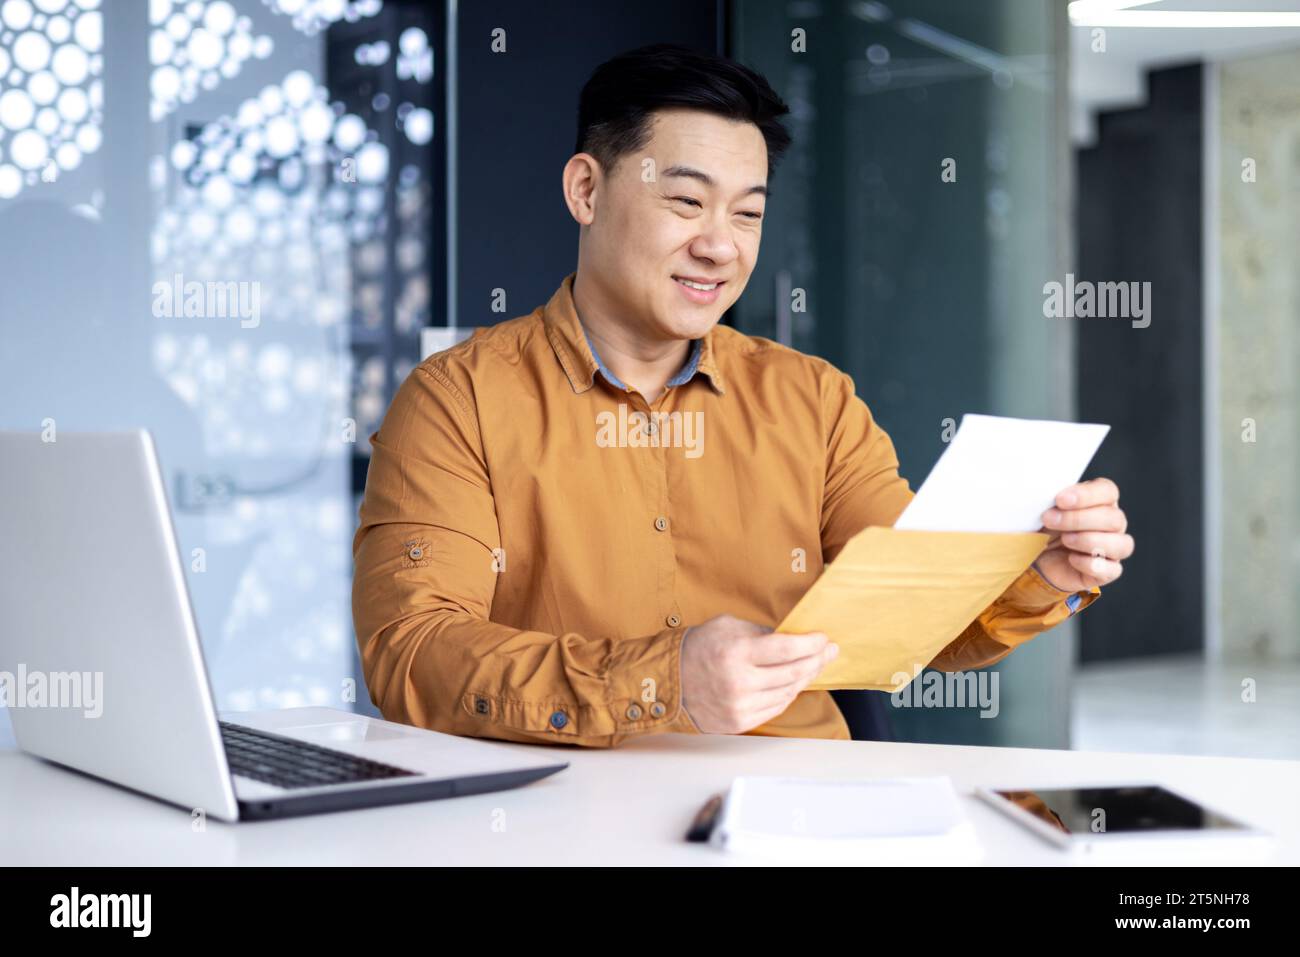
(216, 222)
(913, 224)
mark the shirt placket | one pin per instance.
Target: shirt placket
(662, 517)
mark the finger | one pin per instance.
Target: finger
(1098, 491)
(1099, 518)
(1105, 544)
(1101, 570)
(778, 649)
(795, 673)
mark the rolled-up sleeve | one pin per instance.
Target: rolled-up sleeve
(1027, 608)
(863, 488)
(426, 567)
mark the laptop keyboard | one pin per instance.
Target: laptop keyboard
(287, 763)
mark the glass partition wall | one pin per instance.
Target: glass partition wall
(217, 221)
(913, 225)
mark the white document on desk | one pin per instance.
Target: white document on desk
(1000, 474)
(826, 821)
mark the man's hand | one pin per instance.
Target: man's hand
(736, 675)
(1088, 537)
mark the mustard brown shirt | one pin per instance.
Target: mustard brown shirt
(535, 539)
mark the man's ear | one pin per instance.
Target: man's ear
(582, 176)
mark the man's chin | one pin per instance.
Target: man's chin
(691, 322)
(693, 326)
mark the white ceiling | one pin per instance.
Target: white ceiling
(1116, 78)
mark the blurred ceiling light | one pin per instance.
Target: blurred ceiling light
(945, 42)
(870, 10)
(1082, 8)
(1101, 13)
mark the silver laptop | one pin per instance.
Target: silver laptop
(102, 667)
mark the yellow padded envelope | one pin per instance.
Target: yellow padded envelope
(893, 599)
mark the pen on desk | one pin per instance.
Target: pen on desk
(707, 816)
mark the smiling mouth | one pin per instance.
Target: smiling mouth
(698, 284)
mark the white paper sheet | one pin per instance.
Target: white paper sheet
(1000, 474)
(810, 820)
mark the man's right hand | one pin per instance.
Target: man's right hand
(737, 675)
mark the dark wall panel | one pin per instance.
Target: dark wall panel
(1139, 219)
(518, 119)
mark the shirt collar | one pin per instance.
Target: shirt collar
(579, 360)
(683, 376)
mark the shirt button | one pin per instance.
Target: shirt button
(481, 705)
(652, 427)
(416, 553)
(673, 621)
(657, 709)
(634, 712)
(559, 719)
(661, 523)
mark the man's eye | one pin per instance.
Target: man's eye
(689, 201)
(754, 216)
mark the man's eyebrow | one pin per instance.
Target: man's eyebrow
(689, 172)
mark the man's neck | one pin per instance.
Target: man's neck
(643, 364)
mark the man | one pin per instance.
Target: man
(582, 524)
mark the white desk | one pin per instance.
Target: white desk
(629, 806)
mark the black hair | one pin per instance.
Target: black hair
(617, 102)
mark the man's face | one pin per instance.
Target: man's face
(685, 209)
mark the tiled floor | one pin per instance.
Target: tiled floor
(1181, 705)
